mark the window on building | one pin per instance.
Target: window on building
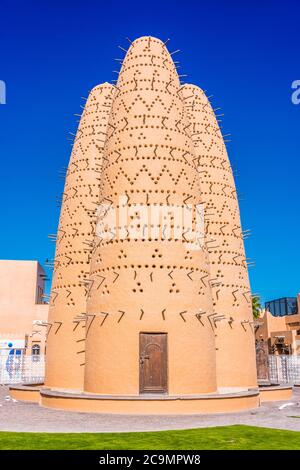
(36, 350)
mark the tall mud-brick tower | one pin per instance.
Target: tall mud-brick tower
(150, 304)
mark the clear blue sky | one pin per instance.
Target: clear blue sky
(244, 53)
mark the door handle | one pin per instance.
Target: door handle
(142, 359)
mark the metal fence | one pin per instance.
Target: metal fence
(284, 369)
(16, 369)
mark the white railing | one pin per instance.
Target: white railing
(284, 369)
(17, 369)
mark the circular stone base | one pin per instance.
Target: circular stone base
(150, 404)
(29, 393)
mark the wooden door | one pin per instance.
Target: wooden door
(153, 363)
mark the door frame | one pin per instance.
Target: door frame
(141, 390)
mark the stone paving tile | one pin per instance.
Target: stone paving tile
(18, 416)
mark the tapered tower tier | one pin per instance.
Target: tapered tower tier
(145, 330)
(233, 319)
(75, 238)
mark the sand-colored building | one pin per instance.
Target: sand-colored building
(150, 313)
(280, 333)
(23, 308)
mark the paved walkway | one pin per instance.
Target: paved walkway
(18, 416)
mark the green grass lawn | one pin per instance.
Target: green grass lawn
(223, 437)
